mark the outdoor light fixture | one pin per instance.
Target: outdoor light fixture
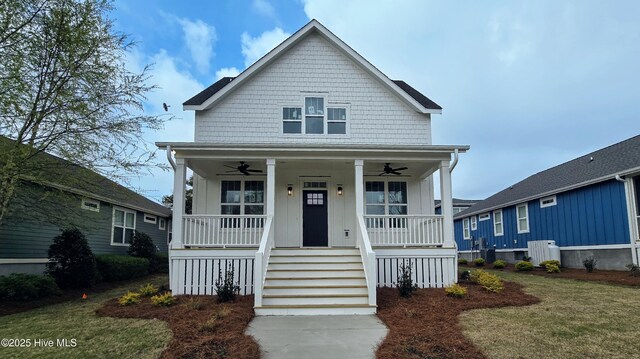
(290, 191)
(339, 190)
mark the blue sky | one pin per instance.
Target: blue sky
(528, 85)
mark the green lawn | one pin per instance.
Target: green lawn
(96, 337)
(574, 320)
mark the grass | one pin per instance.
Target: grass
(97, 337)
(574, 320)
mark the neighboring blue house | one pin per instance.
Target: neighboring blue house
(588, 206)
(459, 205)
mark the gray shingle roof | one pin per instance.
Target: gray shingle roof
(594, 167)
(201, 97)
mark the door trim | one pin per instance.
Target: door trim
(301, 181)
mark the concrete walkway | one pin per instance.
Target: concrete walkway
(309, 337)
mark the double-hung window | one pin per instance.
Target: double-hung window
(474, 223)
(124, 224)
(465, 229)
(523, 218)
(386, 198)
(315, 117)
(336, 121)
(498, 228)
(292, 120)
(241, 197)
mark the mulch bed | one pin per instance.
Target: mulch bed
(598, 275)
(12, 307)
(426, 325)
(195, 333)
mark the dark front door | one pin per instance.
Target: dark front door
(314, 219)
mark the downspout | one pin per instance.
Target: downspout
(170, 159)
(455, 160)
(620, 179)
(630, 208)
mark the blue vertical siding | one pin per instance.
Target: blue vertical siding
(587, 216)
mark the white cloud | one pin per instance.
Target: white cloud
(265, 8)
(200, 38)
(227, 72)
(253, 48)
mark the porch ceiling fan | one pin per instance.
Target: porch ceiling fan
(388, 170)
(243, 168)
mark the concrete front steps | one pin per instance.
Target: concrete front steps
(315, 281)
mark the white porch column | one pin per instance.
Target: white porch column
(179, 179)
(446, 204)
(359, 187)
(271, 186)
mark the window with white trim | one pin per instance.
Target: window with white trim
(466, 232)
(548, 201)
(123, 226)
(498, 227)
(241, 197)
(336, 121)
(90, 205)
(457, 210)
(484, 217)
(150, 218)
(162, 224)
(314, 118)
(291, 120)
(522, 212)
(314, 115)
(474, 223)
(386, 198)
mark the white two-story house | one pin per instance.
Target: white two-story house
(313, 181)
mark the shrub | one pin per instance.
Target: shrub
(462, 261)
(526, 258)
(214, 321)
(479, 262)
(129, 298)
(552, 268)
(499, 264)
(163, 300)
(20, 286)
(590, 263)
(163, 263)
(194, 303)
(72, 263)
(226, 289)
(113, 267)
(148, 290)
(488, 281)
(465, 275)
(555, 262)
(524, 266)
(142, 246)
(634, 270)
(456, 291)
(405, 282)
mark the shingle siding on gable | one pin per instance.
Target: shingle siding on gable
(587, 216)
(253, 112)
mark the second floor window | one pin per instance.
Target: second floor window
(314, 118)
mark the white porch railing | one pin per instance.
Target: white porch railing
(405, 230)
(267, 242)
(368, 259)
(202, 230)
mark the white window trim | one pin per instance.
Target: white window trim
(242, 203)
(474, 223)
(526, 217)
(386, 196)
(89, 208)
(495, 227)
(466, 229)
(153, 221)
(162, 224)
(545, 205)
(325, 120)
(484, 217)
(113, 219)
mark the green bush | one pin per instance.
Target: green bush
(499, 264)
(555, 262)
(129, 298)
(634, 270)
(163, 263)
(465, 274)
(590, 263)
(163, 300)
(226, 289)
(456, 291)
(113, 267)
(488, 281)
(552, 268)
(524, 266)
(72, 263)
(20, 286)
(462, 261)
(479, 262)
(405, 281)
(142, 246)
(148, 290)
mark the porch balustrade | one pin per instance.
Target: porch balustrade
(222, 230)
(405, 230)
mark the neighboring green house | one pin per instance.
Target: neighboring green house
(56, 194)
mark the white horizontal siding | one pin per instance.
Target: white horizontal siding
(252, 113)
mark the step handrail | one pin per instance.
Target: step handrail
(262, 259)
(368, 258)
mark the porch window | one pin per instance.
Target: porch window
(292, 120)
(124, 224)
(498, 229)
(523, 218)
(241, 198)
(465, 229)
(386, 198)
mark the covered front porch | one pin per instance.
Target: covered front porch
(249, 200)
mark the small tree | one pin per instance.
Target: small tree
(142, 246)
(71, 261)
(188, 197)
(226, 289)
(405, 282)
